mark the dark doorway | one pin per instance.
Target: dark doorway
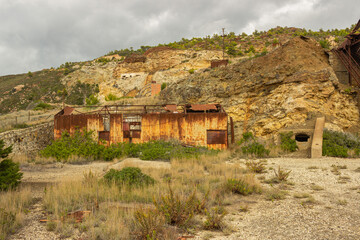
(302, 137)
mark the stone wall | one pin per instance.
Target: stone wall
(29, 140)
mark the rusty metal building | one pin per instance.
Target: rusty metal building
(349, 54)
(192, 124)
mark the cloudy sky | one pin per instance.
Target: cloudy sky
(37, 34)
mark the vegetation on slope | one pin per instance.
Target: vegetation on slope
(338, 144)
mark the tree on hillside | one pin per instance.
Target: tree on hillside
(10, 174)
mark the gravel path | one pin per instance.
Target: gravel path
(335, 213)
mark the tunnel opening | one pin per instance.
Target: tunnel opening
(302, 137)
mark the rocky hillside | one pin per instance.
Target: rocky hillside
(127, 78)
(274, 80)
(287, 87)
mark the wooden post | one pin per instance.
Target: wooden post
(29, 116)
(16, 120)
(232, 131)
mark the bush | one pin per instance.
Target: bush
(256, 166)
(10, 175)
(20, 126)
(82, 144)
(42, 106)
(111, 97)
(324, 44)
(250, 147)
(282, 175)
(288, 144)
(191, 71)
(177, 209)
(337, 144)
(131, 176)
(92, 100)
(163, 86)
(148, 224)
(240, 186)
(214, 218)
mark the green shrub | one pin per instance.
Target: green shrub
(250, 147)
(43, 106)
(163, 86)
(240, 186)
(20, 126)
(82, 144)
(281, 175)
(324, 44)
(130, 176)
(191, 71)
(255, 149)
(148, 224)
(103, 60)
(255, 166)
(30, 74)
(10, 175)
(288, 144)
(111, 97)
(214, 218)
(177, 209)
(80, 92)
(92, 100)
(337, 144)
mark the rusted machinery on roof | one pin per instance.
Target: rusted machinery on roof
(349, 54)
(192, 124)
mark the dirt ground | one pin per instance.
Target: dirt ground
(330, 209)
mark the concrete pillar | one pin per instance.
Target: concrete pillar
(316, 146)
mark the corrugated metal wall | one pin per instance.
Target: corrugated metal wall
(198, 129)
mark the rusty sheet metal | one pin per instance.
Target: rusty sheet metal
(135, 134)
(348, 53)
(68, 110)
(171, 107)
(126, 126)
(216, 137)
(104, 135)
(126, 134)
(203, 107)
(189, 128)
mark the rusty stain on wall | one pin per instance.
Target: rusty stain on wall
(196, 125)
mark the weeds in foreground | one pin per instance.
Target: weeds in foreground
(148, 224)
(241, 186)
(214, 218)
(178, 209)
(282, 175)
(121, 212)
(275, 194)
(310, 200)
(256, 166)
(13, 205)
(316, 187)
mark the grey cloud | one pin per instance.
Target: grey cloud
(42, 33)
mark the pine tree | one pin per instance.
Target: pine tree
(10, 174)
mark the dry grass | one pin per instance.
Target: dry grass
(13, 207)
(115, 209)
(316, 187)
